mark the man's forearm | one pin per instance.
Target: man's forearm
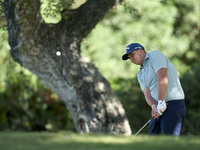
(149, 99)
(162, 88)
(162, 83)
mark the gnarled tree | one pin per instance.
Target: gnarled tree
(34, 43)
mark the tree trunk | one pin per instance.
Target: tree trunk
(34, 43)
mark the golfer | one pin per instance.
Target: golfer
(160, 84)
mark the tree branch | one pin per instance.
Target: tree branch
(85, 18)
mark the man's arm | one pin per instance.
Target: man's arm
(162, 89)
(162, 83)
(151, 102)
(149, 99)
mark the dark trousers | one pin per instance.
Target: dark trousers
(171, 120)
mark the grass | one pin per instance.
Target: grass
(73, 141)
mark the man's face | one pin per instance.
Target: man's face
(136, 57)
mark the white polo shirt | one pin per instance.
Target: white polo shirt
(147, 77)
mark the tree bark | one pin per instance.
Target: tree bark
(34, 43)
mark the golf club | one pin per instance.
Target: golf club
(144, 126)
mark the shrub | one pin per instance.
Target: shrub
(191, 85)
(29, 105)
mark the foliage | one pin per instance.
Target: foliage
(154, 24)
(2, 17)
(26, 104)
(73, 141)
(54, 7)
(51, 9)
(187, 24)
(24, 108)
(4, 55)
(191, 85)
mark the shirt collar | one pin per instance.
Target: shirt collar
(144, 62)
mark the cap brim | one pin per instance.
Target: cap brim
(125, 57)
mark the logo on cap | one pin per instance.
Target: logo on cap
(137, 47)
(127, 49)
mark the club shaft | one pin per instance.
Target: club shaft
(144, 126)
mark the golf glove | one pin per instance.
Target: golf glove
(161, 107)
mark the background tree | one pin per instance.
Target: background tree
(34, 45)
(171, 26)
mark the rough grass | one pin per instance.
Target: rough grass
(73, 141)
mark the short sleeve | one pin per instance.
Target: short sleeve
(158, 60)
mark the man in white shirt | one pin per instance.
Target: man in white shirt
(159, 81)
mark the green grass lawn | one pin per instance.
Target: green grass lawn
(73, 141)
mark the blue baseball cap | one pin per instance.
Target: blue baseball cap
(130, 48)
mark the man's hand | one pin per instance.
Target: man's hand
(161, 106)
(154, 112)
